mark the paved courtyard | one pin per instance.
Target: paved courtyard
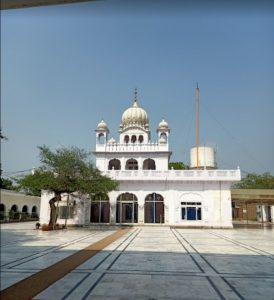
(145, 263)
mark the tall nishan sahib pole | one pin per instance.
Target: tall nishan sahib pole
(197, 126)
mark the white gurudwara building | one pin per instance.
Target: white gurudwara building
(150, 193)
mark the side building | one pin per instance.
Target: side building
(18, 206)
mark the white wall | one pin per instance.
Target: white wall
(81, 207)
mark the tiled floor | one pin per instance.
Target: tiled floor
(146, 263)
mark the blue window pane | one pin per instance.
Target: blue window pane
(191, 213)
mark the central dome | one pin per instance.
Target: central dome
(135, 116)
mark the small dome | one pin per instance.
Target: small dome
(111, 141)
(163, 125)
(135, 116)
(102, 125)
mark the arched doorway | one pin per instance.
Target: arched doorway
(127, 208)
(99, 210)
(14, 208)
(114, 164)
(13, 213)
(149, 164)
(25, 209)
(132, 164)
(34, 213)
(154, 208)
(24, 214)
(2, 211)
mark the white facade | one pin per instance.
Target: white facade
(148, 192)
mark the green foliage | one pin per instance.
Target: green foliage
(65, 171)
(255, 181)
(6, 184)
(93, 182)
(14, 215)
(41, 180)
(177, 166)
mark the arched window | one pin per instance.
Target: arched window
(101, 138)
(114, 164)
(154, 208)
(25, 209)
(100, 209)
(132, 164)
(191, 210)
(191, 207)
(149, 164)
(133, 139)
(163, 136)
(127, 208)
(141, 139)
(2, 211)
(126, 139)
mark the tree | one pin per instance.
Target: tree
(66, 170)
(255, 181)
(177, 166)
(7, 184)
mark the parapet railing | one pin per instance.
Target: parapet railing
(137, 147)
(174, 175)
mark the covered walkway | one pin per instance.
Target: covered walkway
(253, 205)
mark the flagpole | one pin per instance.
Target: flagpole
(197, 126)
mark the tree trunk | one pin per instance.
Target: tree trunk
(53, 210)
(67, 211)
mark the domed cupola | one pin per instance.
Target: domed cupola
(163, 132)
(135, 116)
(163, 125)
(101, 132)
(102, 125)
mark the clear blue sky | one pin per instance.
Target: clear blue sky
(65, 67)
